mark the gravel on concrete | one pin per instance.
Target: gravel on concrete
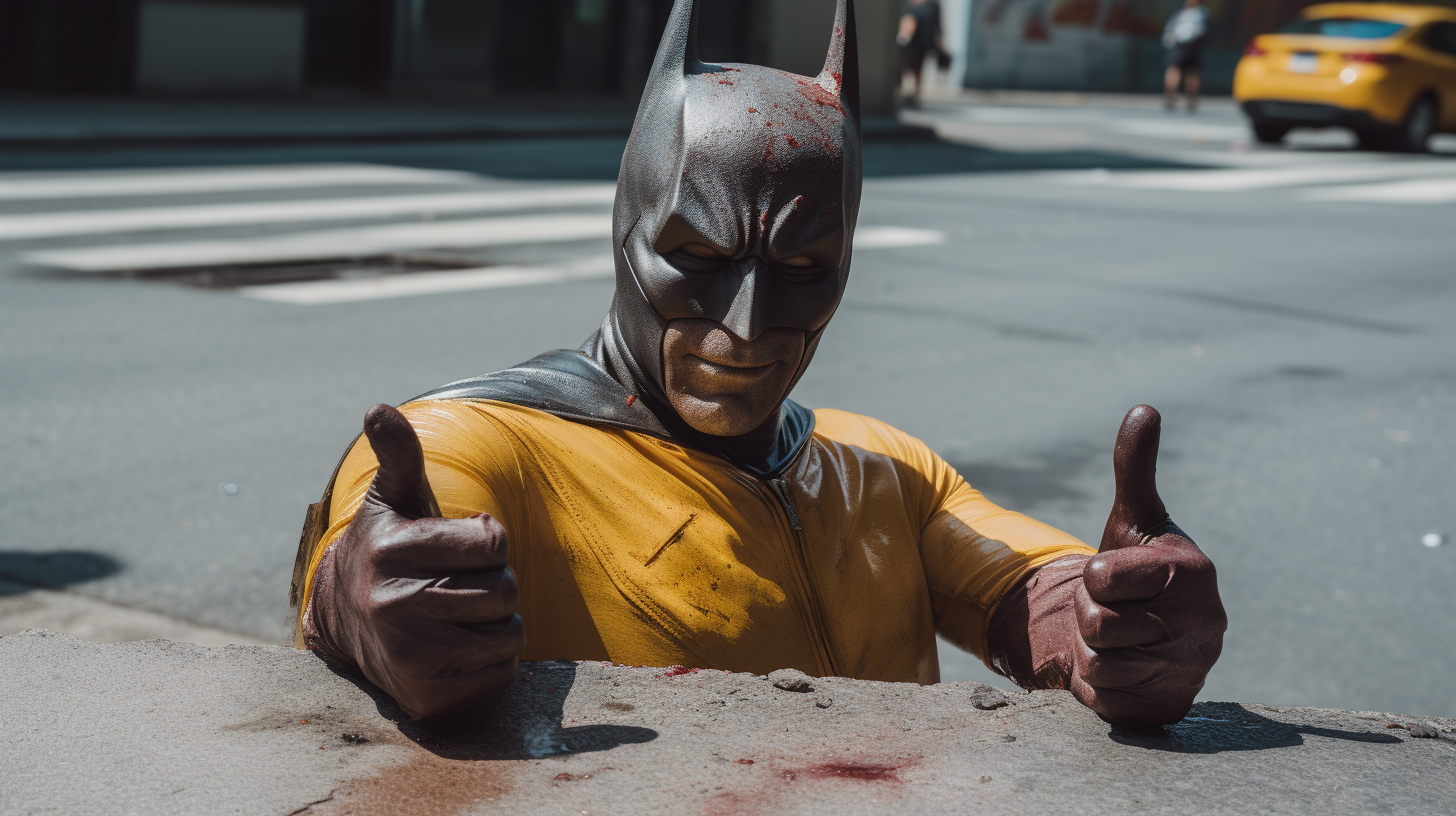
(158, 727)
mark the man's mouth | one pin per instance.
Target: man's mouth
(732, 370)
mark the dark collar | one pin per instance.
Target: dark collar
(573, 384)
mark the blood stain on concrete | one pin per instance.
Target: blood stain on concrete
(866, 772)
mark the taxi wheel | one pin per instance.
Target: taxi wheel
(1269, 132)
(1415, 133)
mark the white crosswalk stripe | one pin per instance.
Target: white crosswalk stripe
(320, 293)
(1414, 191)
(36, 187)
(355, 242)
(1415, 181)
(326, 264)
(140, 219)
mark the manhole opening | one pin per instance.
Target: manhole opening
(232, 276)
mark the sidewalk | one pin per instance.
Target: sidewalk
(160, 728)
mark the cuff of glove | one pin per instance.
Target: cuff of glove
(1034, 628)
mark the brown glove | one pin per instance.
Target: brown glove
(424, 606)
(1133, 630)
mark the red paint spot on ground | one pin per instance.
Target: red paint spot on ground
(631, 398)
(725, 82)
(753, 110)
(792, 141)
(678, 671)
(742, 762)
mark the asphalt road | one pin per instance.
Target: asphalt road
(1289, 310)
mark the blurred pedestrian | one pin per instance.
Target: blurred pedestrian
(1184, 37)
(918, 37)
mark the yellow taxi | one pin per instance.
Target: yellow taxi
(1385, 70)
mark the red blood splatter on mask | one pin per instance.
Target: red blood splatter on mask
(792, 141)
(763, 220)
(753, 110)
(725, 82)
(742, 762)
(631, 398)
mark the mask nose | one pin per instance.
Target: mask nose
(745, 318)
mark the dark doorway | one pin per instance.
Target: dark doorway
(347, 44)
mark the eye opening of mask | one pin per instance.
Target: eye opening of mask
(798, 268)
(696, 257)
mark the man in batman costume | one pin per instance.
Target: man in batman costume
(655, 498)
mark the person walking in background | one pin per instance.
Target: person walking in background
(918, 37)
(1183, 37)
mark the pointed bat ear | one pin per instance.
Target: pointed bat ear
(677, 55)
(841, 67)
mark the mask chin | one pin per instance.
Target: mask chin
(723, 385)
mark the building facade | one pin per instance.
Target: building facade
(561, 47)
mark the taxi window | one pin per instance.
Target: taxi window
(1442, 37)
(1350, 27)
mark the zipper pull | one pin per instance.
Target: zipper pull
(781, 491)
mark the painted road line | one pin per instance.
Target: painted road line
(31, 226)
(1244, 179)
(1161, 129)
(91, 184)
(356, 242)
(323, 293)
(892, 237)
(1414, 191)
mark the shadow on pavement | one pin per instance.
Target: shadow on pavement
(524, 722)
(1213, 728)
(24, 571)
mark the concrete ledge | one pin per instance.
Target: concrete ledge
(160, 727)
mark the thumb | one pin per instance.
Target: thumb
(400, 483)
(1137, 511)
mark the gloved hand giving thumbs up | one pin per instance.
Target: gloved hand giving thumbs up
(423, 606)
(1132, 631)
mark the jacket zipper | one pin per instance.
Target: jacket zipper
(779, 489)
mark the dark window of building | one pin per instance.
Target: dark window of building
(346, 43)
(528, 51)
(85, 46)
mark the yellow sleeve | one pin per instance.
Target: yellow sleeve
(469, 461)
(972, 550)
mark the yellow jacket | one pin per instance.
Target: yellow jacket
(635, 550)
